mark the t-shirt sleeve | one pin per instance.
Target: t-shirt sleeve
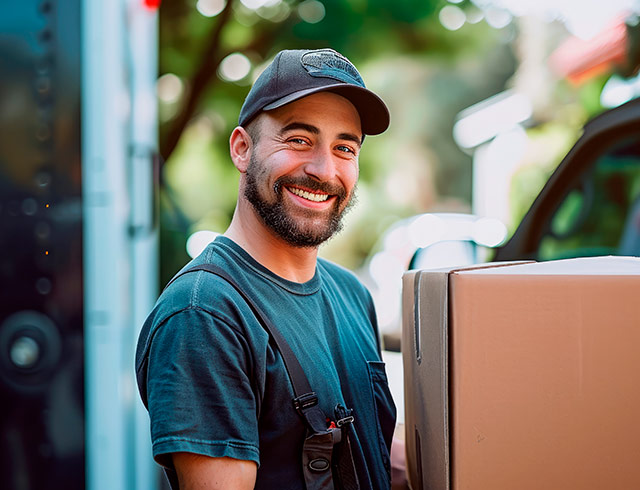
(200, 392)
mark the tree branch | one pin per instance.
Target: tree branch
(207, 67)
(204, 76)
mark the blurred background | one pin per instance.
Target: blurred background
(513, 135)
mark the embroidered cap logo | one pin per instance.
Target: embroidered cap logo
(327, 63)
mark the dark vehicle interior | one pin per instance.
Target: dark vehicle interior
(591, 204)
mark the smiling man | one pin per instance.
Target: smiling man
(218, 388)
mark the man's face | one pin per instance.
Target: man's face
(304, 167)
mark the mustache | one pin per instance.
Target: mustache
(311, 184)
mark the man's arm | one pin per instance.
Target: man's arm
(196, 471)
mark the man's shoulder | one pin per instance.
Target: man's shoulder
(196, 293)
(192, 287)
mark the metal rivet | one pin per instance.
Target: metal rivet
(319, 464)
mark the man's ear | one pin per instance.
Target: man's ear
(240, 148)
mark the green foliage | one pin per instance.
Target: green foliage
(568, 215)
(366, 27)
(549, 143)
(200, 181)
(592, 218)
(589, 95)
(425, 73)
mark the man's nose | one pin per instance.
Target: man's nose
(321, 166)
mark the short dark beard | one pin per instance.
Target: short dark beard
(275, 215)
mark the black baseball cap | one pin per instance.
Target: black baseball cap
(294, 74)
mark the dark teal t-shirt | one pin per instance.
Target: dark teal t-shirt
(216, 385)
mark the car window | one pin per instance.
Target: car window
(600, 214)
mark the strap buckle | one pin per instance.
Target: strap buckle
(306, 400)
(345, 420)
(344, 415)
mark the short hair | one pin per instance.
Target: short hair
(253, 129)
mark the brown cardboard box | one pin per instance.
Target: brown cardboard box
(523, 376)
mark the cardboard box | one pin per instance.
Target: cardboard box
(523, 375)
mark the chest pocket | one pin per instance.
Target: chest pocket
(385, 409)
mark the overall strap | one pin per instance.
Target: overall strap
(305, 401)
(318, 445)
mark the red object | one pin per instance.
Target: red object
(152, 4)
(579, 60)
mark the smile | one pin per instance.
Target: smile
(310, 196)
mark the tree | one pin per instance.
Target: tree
(194, 47)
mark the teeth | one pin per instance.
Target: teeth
(309, 195)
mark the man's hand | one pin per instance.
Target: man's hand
(196, 472)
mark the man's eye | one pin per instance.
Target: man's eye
(297, 141)
(346, 149)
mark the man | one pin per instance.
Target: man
(218, 393)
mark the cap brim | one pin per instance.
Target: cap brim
(374, 115)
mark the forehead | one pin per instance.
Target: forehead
(325, 110)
